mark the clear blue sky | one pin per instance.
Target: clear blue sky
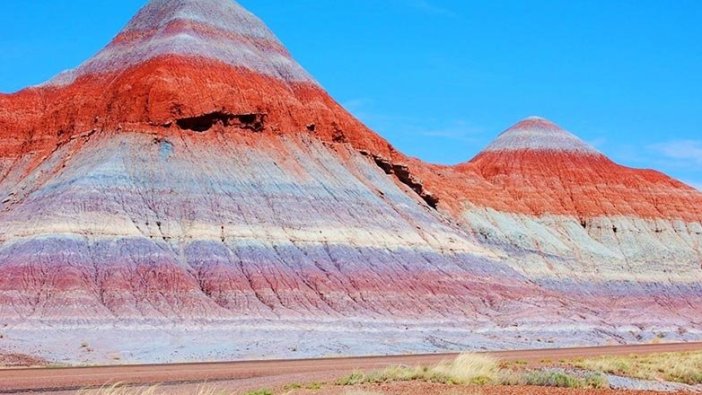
(441, 78)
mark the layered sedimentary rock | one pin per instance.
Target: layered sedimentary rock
(192, 173)
(170, 226)
(629, 241)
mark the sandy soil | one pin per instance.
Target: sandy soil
(244, 376)
(12, 360)
(440, 389)
(413, 388)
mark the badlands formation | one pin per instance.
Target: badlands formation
(192, 193)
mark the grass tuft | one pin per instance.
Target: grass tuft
(469, 369)
(478, 370)
(564, 380)
(121, 389)
(676, 367)
(466, 369)
(552, 379)
(314, 386)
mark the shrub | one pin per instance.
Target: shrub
(469, 369)
(260, 392)
(314, 386)
(120, 389)
(553, 379)
(354, 378)
(678, 367)
(466, 369)
(596, 380)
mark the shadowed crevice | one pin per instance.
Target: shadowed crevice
(404, 175)
(202, 123)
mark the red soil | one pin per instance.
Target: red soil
(418, 388)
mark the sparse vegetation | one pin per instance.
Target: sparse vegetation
(120, 389)
(473, 369)
(314, 386)
(552, 379)
(479, 370)
(677, 367)
(354, 378)
(211, 391)
(545, 378)
(469, 369)
(466, 369)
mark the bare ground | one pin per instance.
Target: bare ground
(418, 388)
(239, 377)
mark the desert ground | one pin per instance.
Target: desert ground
(649, 368)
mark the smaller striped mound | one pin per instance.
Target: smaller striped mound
(539, 134)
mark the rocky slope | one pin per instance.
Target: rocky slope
(193, 175)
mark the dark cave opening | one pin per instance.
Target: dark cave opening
(203, 123)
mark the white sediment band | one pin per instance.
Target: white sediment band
(539, 134)
(243, 42)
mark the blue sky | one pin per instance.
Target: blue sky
(441, 78)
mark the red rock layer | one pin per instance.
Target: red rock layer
(169, 88)
(536, 168)
(552, 182)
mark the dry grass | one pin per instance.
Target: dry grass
(120, 389)
(542, 378)
(260, 392)
(469, 369)
(475, 369)
(466, 369)
(677, 367)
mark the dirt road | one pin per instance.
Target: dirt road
(55, 379)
